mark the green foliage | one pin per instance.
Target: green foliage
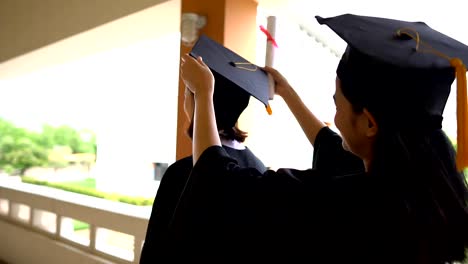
(88, 183)
(20, 153)
(79, 142)
(21, 149)
(78, 225)
(7, 128)
(8, 169)
(65, 186)
(90, 190)
(135, 200)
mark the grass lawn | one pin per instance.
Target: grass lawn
(78, 225)
(87, 186)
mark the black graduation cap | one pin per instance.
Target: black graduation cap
(402, 71)
(236, 79)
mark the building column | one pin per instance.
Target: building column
(232, 23)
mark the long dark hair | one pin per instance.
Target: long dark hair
(412, 155)
(418, 161)
(421, 166)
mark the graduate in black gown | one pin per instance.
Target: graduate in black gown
(230, 101)
(408, 206)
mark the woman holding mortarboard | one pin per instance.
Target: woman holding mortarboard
(409, 206)
(229, 102)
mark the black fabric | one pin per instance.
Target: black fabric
(170, 188)
(330, 157)
(156, 247)
(245, 158)
(229, 214)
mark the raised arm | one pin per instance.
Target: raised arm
(199, 79)
(329, 154)
(309, 123)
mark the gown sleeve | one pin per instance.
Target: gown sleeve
(330, 156)
(232, 214)
(244, 211)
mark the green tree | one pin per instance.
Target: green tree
(88, 142)
(21, 149)
(8, 129)
(46, 138)
(20, 154)
(67, 136)
(18, 150)
(78, 141)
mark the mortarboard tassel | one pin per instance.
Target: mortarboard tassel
(462, 97)
(462, 114)
(268, 109)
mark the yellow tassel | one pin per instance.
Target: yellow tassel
(462, 97)
(462, 114)
(268, 109)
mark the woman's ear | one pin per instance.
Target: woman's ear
(372, 127)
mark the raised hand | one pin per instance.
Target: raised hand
(282, 86)
(196, 75)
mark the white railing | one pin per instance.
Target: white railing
(114, 231)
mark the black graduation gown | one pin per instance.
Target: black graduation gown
(230, 214)
(171, 187)
(330, 156)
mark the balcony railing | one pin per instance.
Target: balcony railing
(108, 231)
